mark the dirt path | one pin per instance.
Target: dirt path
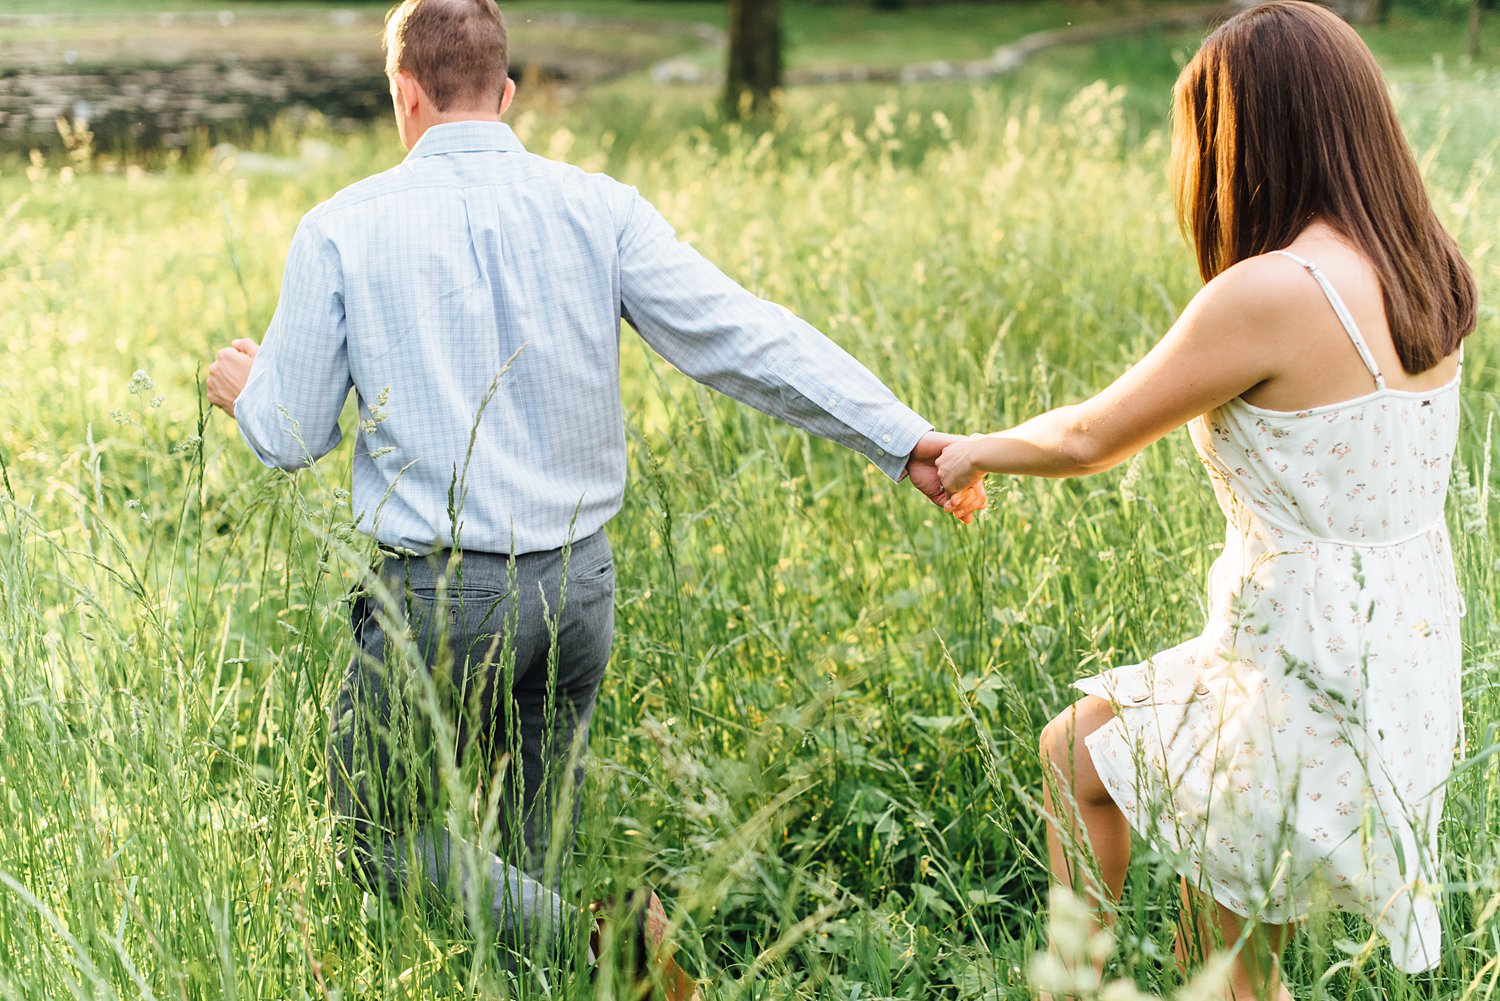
(1009, 58)
(1005, 59)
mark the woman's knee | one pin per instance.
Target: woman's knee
(1064, 734)
(1064, 752)
(1057, 737)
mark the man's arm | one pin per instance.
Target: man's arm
(760, 353)
(288, 410)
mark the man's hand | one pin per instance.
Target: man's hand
(227, 374)
(922, 468)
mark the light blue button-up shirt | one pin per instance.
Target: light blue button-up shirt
(472, 296)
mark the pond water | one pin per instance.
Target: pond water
(177, 80)
(178, 105)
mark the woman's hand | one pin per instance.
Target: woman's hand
(962, 478)
(957, 466)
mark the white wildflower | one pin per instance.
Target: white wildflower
(1122, 990)
(1211, 980)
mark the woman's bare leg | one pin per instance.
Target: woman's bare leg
(1205, 927)
(1194, 941)
(1088, 838)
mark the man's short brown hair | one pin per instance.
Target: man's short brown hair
(456, 49)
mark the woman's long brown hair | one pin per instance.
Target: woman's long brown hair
(1282, 118)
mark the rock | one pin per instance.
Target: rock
(314, 151)
(676, 71)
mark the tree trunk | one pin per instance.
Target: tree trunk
(1378, 11)
(754, 57)
(1476, 12)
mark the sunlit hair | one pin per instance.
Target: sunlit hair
(1282, 118)
(457, 50)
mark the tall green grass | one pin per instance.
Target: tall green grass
(817, 734)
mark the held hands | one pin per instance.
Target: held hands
(227, 374)
(924, 469)
(962, 479)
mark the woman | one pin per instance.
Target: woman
(1295, 752)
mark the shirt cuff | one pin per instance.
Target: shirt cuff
(891, 450)
(244, 419)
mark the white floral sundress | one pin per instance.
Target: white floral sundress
(1294, 755)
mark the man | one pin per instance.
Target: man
(472, 296)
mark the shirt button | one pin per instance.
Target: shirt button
(880, 452)
(886, 439)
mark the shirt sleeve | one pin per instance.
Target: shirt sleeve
(755, 351)
(289, 410)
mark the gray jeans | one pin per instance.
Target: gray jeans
(472, 670)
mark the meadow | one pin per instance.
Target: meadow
(817, 738)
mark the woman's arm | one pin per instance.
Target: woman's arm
(1226, 342)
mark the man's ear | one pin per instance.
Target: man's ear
(507, 94)
(409, 92)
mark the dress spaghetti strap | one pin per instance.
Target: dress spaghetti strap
(1342, 311)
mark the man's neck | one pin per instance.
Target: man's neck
(450, 117)
(454, 117)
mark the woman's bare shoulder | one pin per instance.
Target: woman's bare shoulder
(1259, 296)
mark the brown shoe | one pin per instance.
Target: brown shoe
(652, 964)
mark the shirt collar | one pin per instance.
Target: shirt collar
(467, 137)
